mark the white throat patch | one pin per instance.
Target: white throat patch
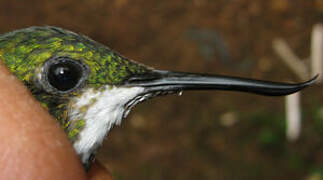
(105, 108)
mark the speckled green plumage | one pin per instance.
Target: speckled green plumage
(25, 51)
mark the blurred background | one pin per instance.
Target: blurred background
(200, 135)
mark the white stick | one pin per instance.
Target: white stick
(317, 52)
(293, 116)
(290, 59)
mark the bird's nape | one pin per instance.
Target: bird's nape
(168, 81)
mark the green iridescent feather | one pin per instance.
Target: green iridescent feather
(25, 51)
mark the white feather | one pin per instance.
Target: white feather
(107, 110)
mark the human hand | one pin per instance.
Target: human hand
(32, 145)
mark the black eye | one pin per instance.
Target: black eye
(64, 74)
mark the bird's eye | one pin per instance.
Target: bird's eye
(64, 74)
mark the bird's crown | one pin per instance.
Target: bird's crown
(34, 50)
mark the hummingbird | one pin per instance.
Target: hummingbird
(88, 88)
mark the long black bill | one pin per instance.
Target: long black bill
(166, 81)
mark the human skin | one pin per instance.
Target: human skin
(32, 145)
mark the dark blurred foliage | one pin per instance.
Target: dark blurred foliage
(200, 135)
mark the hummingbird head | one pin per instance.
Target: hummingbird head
(88, 88)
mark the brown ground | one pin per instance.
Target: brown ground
(183, 137)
